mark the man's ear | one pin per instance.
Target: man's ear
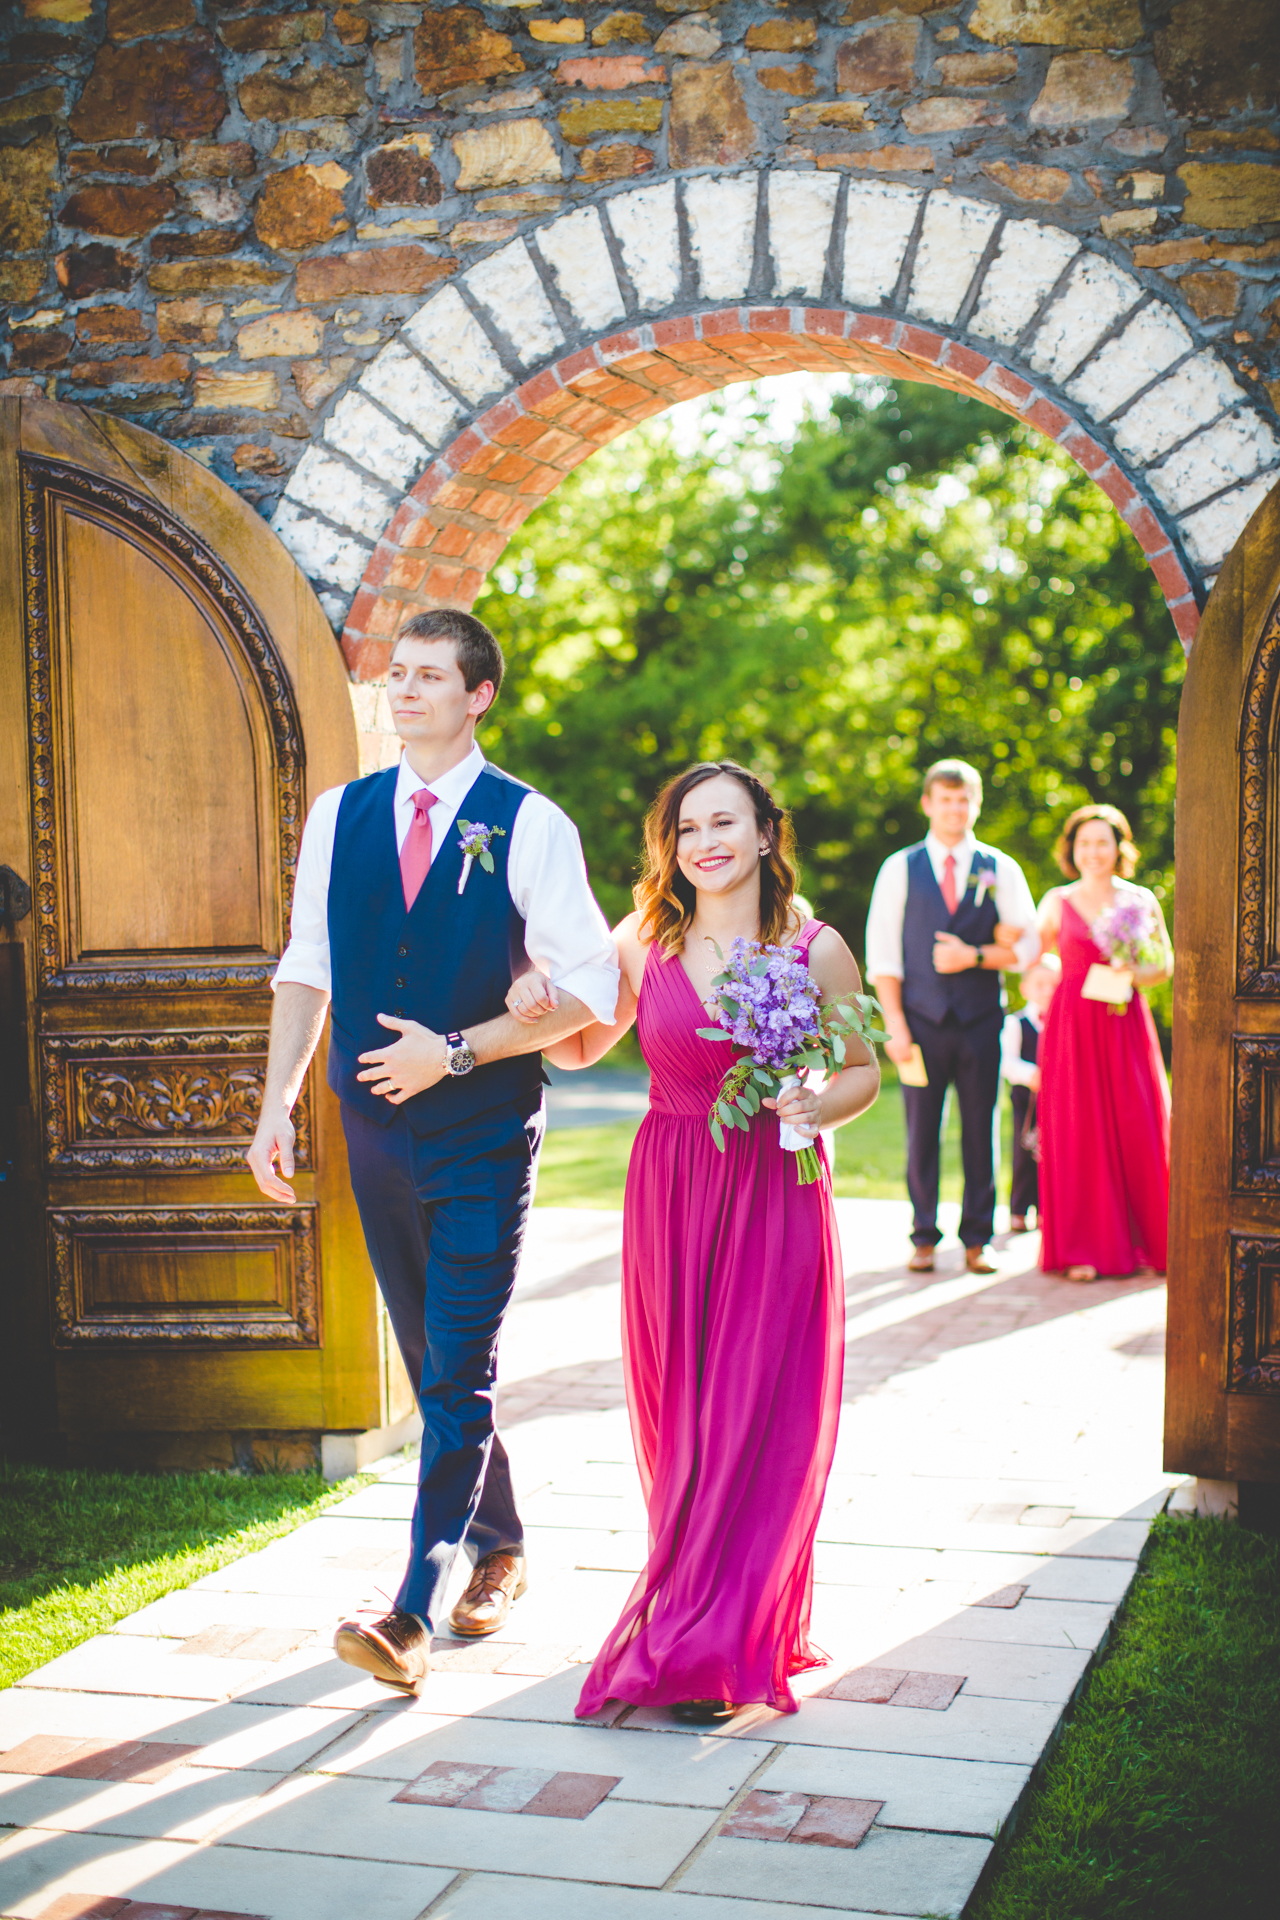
(486, 693)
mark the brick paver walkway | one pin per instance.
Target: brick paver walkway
(997, 1468)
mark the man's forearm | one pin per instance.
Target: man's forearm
(888, 991)
(503, 1038)
(297, 1021)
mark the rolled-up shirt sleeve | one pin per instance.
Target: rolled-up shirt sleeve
(885, 917)
(565, 930)
(1016, 908)
(306, 958)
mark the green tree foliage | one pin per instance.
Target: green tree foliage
(913, 575)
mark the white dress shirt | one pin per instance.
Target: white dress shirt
(565, 931)
(889, 901)
(1017, 1071)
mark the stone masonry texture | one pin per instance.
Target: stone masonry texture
(393, 269)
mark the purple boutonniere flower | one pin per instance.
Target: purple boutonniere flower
(475, 843)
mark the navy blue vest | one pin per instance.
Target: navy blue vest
(1030, 1041)
(448, 962)
(970, 995)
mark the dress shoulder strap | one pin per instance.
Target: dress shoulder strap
(808, 934)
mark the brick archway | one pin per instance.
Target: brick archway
(512, 375)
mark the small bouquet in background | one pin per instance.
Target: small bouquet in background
(1127, 934)
(771, 1007)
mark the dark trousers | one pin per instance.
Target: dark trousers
(1024, 1191)
(444, 1219)
(967, 1058)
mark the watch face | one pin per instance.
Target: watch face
(461, 1059)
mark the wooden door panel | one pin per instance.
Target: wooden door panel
(171, 694)
(193, 1276)
(171, 863)
(1222, 1401)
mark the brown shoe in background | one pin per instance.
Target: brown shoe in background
(921, 1261)
(498, 1581)
(396, 1649)
(975, 1259)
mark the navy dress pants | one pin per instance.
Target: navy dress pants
(967, 1058)
(444, 1217)
(1024, 1192)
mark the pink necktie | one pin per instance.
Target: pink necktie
(415, 854)
(949, 895)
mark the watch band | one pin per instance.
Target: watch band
(979, 957)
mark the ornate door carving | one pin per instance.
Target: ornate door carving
(1222, 1415)
(172, 695)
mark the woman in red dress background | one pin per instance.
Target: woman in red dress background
(1103, 1105)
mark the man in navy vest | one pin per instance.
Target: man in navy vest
(947, 916)
(422, 892)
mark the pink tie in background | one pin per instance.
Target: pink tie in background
(949, 894)
(415, 854)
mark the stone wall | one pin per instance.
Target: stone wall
(293, 239)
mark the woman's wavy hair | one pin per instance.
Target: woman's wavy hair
(1065, 851)
(665, 898)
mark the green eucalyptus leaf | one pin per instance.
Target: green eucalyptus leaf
(486, 861)
(717, 1134)
(713, 1033)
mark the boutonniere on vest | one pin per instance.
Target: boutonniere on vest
(980, 883)
(475, 843)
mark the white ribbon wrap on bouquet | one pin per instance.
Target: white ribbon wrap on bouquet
(790, 1138)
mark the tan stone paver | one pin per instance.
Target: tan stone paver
(997, 1470)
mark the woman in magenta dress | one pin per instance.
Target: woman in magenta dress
(1103, 1105)
(733, 1295)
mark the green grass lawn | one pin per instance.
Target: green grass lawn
(587, 1166)
(1160, 1802)
(79, 1550)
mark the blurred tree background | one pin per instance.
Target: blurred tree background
(905, 576)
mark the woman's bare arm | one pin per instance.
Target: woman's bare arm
(532, 997)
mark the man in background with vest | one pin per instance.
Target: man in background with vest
(422, 892)
(947, 917)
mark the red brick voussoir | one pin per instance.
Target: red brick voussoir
(458, 517)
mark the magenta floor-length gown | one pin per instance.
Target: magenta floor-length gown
(1103, 1109)
(733, 1339)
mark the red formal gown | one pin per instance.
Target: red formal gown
(733, 1341)
(1103, 1110)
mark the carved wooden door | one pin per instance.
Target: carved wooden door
(1222, 1418)
(171, 695)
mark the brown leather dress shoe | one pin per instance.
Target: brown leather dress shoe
(921, 1261)
(975, 1259)
(499, 1579)
(396, 1649)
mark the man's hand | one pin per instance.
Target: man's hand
(951, 954)
(1035, 1080)
(408, 1065)
(1006, 934)
(532, 996)
(273, 1141)
(899, 1044)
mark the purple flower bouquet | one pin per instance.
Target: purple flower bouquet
(1126, 934)
(771, 1007)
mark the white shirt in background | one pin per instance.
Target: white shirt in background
(889, 901)
(1017, 1071)
(565, 930)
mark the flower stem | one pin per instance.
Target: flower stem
(807, 1166)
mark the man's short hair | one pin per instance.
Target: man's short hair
(479, 655)
(954, 773)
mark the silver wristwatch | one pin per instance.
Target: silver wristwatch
(458, 1057)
